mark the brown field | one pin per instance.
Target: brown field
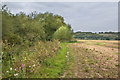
(94, 59)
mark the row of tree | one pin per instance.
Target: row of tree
(33, 27)
(108, 32)
(95, 36)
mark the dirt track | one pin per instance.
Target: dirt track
(94, 59)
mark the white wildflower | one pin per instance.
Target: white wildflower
(7, 71)
(67, 53)
(34, 65)
(10, 68)
(15, 74)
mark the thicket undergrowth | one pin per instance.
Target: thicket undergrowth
(43, 60)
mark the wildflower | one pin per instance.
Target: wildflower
(18, 75)
(31, 71)
(22, 65)
(15, 74)
(9, 51)
(67, 53)
(15, 69)
(34, 65)
(10, 68)
(29, 66)
(7, 71)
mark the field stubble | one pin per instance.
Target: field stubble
(95, 59)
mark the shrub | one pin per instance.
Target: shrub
(63, 34)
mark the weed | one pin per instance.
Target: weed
(86, 69)
(91, 61)
(94, 76)
(45, 59)
(116, 65)
(99, 43)
(91, 68)
(83, 62)
(108, 58)
(101, 73)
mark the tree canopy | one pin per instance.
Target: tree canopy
(32, 27)
(63, 34)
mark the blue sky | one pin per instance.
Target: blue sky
(83, 16)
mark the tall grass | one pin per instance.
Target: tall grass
(43, 60)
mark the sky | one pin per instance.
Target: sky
(82, 16)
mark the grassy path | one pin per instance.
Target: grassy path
(91, 62)
(53, 67)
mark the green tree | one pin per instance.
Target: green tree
(63, 34)
(32, 27)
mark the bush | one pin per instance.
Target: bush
(14, 38)
(73, 40)
(63, 34)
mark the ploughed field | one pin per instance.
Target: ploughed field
(93, 59)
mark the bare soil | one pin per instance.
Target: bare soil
(94, 59)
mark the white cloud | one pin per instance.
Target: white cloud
(87, 16)
(60, 0)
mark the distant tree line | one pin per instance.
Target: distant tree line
(97, 36)
(33, 27)
(108, 32)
